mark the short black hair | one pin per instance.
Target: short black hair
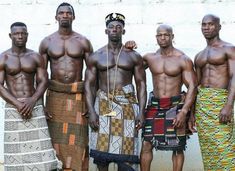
(214, 17)
(18, 24)
(65, 4)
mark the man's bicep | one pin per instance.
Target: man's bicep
(88, 49)
(231, 62)
(189, 75)
(2, 70)
(139, 72)
(90, 74)
(41, 75)
(2, 76)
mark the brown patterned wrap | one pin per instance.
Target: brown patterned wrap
(68, 126)
(116, 141)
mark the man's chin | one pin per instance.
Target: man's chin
(65, 25)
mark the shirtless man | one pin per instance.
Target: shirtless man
(167, 106)
(215, 68)
(25, 122)
(114, 114)
(66, 51)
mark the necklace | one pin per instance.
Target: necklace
(111, 112)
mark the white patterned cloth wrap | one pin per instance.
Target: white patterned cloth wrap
(27, 143)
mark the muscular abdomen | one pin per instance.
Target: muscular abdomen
(21, 85)
(215, 76)
(67, 69)
(166, 86)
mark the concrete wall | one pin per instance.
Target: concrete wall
(142, 18)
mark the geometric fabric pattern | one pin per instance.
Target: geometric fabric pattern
(217, 141)
(27, 143)
(68, 126)
(116, 136)
(159, 128)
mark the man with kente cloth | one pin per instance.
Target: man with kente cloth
(27, 142)
(115, 115)
(215, 67)
(66, 50)
(168, 107)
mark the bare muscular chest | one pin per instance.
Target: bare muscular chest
(168, 66)
(15, 65)
(69, 47)
(211, 56)
(124, 61)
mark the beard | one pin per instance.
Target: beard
(115, 38)
(65, 23)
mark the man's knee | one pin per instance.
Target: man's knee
(146, 147)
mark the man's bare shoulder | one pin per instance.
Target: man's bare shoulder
(150, 55)
(4, 55)
(80, 37)
(50, 37)
(32, 53)
(82, 40)
(132, 53)
(98, 54)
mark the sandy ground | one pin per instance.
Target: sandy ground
(142, 19)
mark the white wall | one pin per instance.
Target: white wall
(142, 18)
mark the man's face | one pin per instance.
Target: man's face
(210, 27)
(115, 30)
(19, 35)
(164, 37)
(65, 16)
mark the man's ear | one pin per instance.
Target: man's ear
(173, 36)
(10, 35)
(123, 31)
(106, 31)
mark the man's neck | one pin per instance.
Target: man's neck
(18, 50)
(168, 51)
(214, 41)
(115, 45)
(65, 30)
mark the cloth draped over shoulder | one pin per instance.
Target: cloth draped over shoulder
(217, 141)
(68, 126)
(116, 140)
(27, 143)
(159, 129)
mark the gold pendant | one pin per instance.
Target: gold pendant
(112, 113)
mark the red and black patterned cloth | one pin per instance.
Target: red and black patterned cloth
(159, 129)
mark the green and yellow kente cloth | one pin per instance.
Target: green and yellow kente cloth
(68, 126)
(217, 141)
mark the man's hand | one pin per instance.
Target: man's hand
(47, 114)
(139, 121)
(179, 120)
(94, 121)
(226, 114)
(192, 124)
(131, 45)
(27, 109)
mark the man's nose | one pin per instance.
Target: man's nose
(65, 14)
(20, 35)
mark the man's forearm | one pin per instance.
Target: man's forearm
(7, 96)
(142, 96)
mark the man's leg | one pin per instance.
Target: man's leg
(178, 160)
(103, 168)
(146, 156)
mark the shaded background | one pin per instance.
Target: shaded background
(142, 19)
